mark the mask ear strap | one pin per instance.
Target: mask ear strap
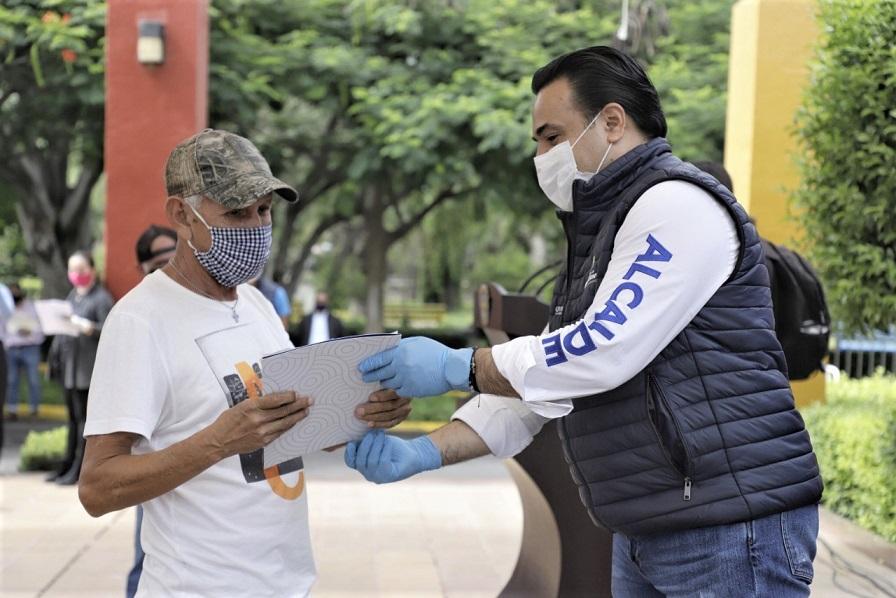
(585, 130)
(198, 215)
(606, 153)
(201, 219)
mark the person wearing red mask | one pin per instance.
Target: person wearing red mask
(73, 356)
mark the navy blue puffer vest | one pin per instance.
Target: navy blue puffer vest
(707, 433)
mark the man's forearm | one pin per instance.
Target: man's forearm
(489, 379)
(458, 442)
(110, 481)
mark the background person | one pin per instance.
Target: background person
(155, 247)
(22, 338)
(320, 325)
(74, 356)
(277, 295)
(6, 307)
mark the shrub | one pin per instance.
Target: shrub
(43, 450)
(847, 133)
(434, 409)
(854, 435)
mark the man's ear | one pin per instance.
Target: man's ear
(615, 121)
(176, 210)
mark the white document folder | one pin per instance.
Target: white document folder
(327, 372)
(55, 316)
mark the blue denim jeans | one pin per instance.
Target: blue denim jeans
(771, 556)
(24, 358)
(137, 569)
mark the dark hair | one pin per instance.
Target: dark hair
(86, 255)
(716, 170)
(600, 75)
(16, 291)
(144, 243)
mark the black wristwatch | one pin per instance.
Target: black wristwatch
(473, 384)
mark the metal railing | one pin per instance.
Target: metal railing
(859, 357)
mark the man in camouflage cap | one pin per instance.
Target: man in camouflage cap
(224, 167)
(177, 419)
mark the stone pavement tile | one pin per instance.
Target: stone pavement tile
(103, 561)
(852, 561)
(836, 576)
(453, 532)
(52, 547)
(432, 535)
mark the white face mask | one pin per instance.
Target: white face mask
(557, 169)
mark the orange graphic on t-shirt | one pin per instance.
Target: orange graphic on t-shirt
(254, 387)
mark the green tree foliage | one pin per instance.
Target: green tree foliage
(380, 113)
(847, 127)
(395, 108)
(51, 125)
(690, 71)
(684, 45)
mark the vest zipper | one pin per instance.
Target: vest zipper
(654, 390)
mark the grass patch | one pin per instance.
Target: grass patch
(434, 409)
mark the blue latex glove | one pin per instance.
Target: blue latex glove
(383, 459)
(419, 367)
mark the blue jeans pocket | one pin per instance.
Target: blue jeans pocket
(799, 529)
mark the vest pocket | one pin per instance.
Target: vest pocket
(668, 433)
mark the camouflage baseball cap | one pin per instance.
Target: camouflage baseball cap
(224, 167)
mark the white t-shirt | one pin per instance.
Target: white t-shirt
(165, 358)
(674, 250)
(320, 327)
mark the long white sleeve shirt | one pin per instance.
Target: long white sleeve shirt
(674, 250)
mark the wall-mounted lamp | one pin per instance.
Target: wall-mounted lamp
(151, 42)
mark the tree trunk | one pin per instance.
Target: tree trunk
(450, 288)
(279, 261)
(538, 250)
(55, 218)
(347, 249)
(47, 256)
(298, 266)
(373, 259)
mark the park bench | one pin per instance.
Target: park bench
(417, 315)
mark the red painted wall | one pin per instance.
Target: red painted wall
(149, 109)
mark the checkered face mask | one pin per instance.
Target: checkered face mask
(237, 255)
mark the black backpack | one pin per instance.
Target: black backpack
(802, 321)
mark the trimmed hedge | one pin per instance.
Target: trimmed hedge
(434, 409)
(43, 450)
(854, 435)
(846, 130)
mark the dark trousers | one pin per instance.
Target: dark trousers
(137, 569)
(76, 401)
(2, 389)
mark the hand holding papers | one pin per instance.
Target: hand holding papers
(328, 372)
(55, 317)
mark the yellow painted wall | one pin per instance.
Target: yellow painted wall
(771, 45)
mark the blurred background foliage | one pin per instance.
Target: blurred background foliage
(405, 126)
(847, 130)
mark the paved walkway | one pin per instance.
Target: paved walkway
(453, 532)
